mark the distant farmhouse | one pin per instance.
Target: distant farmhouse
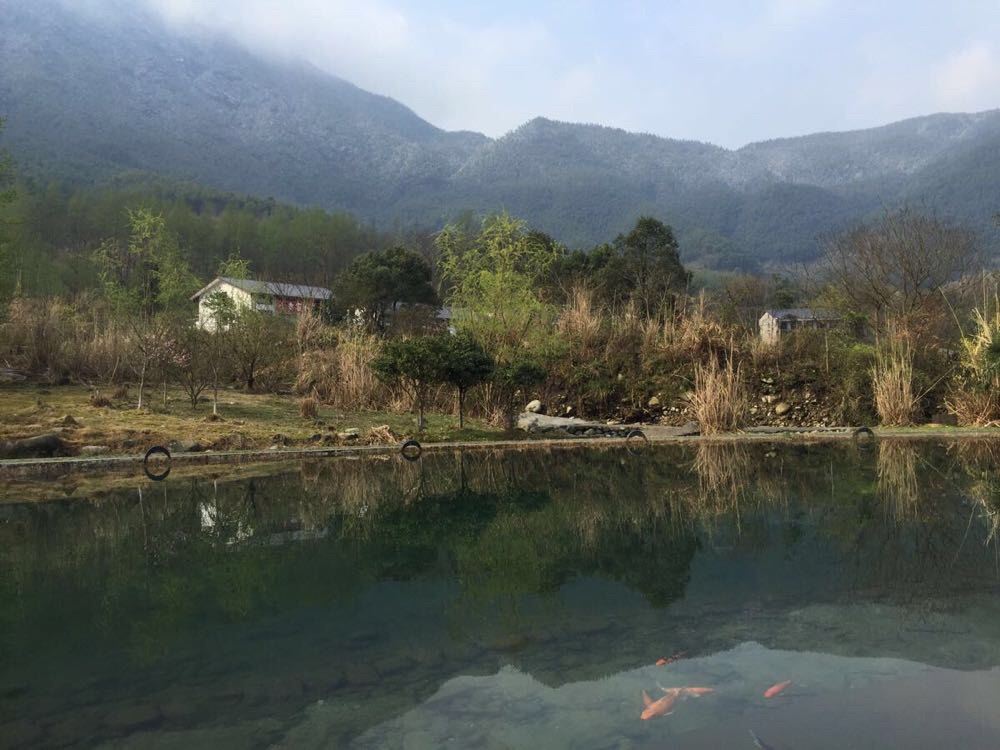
(775, 323)
(265, 296)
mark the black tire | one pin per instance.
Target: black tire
(156, 450)
(863, 431)
(635, 441)
(411, 450)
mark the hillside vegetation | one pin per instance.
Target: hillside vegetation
(89, 97)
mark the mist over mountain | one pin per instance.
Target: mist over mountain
(92, 91)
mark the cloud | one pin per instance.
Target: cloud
(796, 11)
(457, 75)
(968, 79)
(725, 71)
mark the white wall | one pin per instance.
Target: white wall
(241, 299)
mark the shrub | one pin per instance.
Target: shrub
(417, 364)
(99, 401)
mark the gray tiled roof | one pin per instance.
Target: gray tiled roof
(275, 288)
(803, 313)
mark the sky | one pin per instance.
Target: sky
(724, 71)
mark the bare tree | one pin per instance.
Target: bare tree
(894, 268)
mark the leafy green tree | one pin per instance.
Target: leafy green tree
(465, 365)
(417, 364)
(235, 267)
(492, 280)
(148, 282)
(379, 281)
(648, 264)
(149, 273)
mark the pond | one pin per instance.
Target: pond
(515, 599)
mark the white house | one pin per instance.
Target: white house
(266, 296)
(774, 323)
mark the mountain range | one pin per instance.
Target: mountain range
(92, 91)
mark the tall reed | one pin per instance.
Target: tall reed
(974, 398)
(892, 383)
(720, 399)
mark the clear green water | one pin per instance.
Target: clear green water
(515, 600)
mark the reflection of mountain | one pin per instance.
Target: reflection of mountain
(362, 578)
(512, 709)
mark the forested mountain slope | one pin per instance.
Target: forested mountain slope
(89, 95)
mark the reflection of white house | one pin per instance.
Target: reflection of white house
(775, 323)
(265, 296)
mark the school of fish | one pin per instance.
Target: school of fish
(665, 706)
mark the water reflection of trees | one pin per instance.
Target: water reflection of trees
(158, 559)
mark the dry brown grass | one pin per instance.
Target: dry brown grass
(720, 399)
(892, 384)
(341, 375)
(580, 319)
(975, 396)
(308, 408)
(381, 435)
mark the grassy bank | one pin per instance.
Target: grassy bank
(247, 421)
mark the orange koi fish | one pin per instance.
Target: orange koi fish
(662, 707)
(776, 689)
(661, 662)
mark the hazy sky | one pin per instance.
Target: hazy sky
(726, 71)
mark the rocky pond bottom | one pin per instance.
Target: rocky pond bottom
(515, 600)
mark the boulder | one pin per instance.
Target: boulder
(68, 421)
(351, 433)
(535, 407)
(42, 446)
(653, 402)
(782, 408)
(559, 426)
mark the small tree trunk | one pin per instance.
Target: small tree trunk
(420, 413)
(142, 383)
(461, 408)
(215, 396)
